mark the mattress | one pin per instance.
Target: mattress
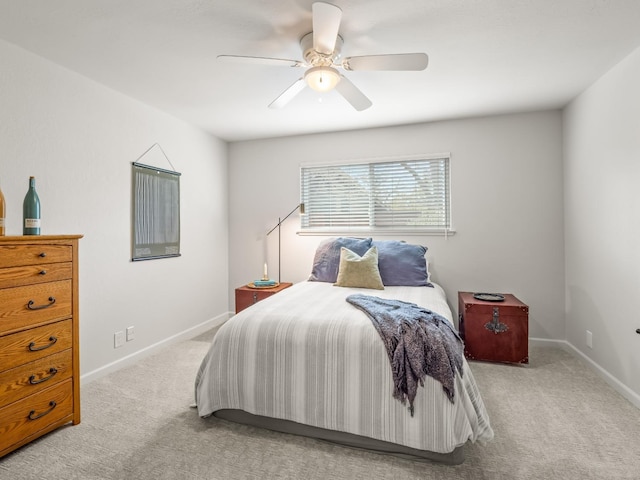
(308, 357)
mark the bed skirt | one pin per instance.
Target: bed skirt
(455, 457)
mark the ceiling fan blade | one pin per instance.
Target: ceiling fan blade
(400, 61)
(260, 60)
(352, 94)
(326, 23)
(286, 96)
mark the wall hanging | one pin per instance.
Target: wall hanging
(155, 215)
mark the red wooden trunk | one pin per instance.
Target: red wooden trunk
(494, 331)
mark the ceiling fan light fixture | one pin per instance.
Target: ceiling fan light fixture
(322, 79)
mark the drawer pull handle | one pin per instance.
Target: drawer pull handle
(33, 348)
(42, 272)
(42, 255)
(34, 416)
(31, 305)
(34, 381)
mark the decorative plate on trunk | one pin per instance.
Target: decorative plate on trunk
(489, 297)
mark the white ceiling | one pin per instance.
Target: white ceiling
(486, 56)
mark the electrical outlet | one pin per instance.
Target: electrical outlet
(118, 339)
(131, 333)
(589, 339)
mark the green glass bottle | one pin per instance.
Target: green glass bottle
(31, 210)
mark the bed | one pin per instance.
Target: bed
(306, 361)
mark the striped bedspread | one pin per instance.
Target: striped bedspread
(308, 356)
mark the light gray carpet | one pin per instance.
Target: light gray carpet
(554, 419)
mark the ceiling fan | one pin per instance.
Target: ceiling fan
(321, 53)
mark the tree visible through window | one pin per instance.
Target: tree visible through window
(402, 194)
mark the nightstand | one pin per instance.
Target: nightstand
(247, 296)
(494, 331)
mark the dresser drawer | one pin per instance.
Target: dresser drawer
(34, 344)
(30, 274)
(27, 417)
(19, 255)
(35, 376)
(22, 307)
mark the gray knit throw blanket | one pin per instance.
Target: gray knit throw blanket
(418, 341)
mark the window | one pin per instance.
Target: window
(408, 194)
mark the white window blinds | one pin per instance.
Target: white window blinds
(403, 194)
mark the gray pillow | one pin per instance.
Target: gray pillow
(402, 263)
(327, 257)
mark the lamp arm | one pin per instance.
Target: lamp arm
(281, 221)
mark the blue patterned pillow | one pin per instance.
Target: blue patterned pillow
(402, 263)
(327, 257)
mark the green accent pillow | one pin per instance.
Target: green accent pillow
(359, 272)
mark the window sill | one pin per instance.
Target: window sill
(373, 231)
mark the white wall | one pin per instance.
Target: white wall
(602, 228)
(507, 205)
(78, 139)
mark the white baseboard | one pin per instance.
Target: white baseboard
(145, 352)
(546, 342)
(616, 384)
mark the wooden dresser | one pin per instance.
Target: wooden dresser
(39, 356)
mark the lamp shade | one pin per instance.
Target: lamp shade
(322, 79)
